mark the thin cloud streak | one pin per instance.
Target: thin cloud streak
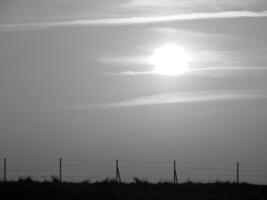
(176, 98)
(129, 73)
(230, 69)
(134, 20)
(138, 73)
(184, 3)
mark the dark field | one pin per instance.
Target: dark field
(28, 189)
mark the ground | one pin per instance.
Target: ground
(28, 189)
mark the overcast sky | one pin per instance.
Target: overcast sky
(74, 81)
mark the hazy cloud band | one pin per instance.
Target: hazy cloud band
(135, 20)
(138, 73)
(174, 98)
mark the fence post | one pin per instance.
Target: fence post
(237, 172)
(60, 170)
(4, 169)
(118, 177)
(175, 179)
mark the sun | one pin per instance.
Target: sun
(170, 60)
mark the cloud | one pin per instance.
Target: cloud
(229, 69)
(187, 3)
(134, 20)
(176, 98)
(194, 71)
(129, 73)
(136, 60)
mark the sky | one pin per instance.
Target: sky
(75, 81)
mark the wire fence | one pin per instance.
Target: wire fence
(76, 170)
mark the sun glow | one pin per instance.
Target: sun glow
(170, 60)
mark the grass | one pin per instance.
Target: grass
(139, 189)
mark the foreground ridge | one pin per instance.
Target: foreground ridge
(138, 189)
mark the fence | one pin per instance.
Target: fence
(76, 170)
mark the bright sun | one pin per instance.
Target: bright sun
(170, 60)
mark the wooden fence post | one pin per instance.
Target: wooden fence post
(118, 177)
(175, 179)
(4, 169)
(237, 172)
(60, 170)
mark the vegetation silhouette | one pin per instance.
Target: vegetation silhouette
(27, 188)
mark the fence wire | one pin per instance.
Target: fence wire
(76, 170)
